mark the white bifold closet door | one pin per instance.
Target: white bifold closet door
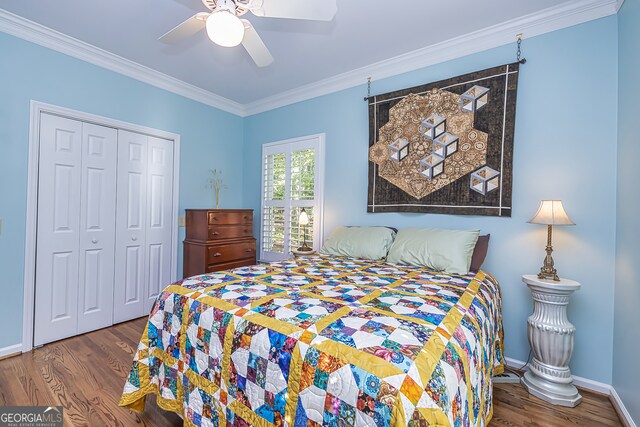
(104, 230)
(143, 224)
(75, 229)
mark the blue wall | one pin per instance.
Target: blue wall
(565, 148)
(626, 370)
(210, 138)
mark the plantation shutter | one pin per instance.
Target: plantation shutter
(290, 182)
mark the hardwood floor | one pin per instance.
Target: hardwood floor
(86, 374)
(515, 407)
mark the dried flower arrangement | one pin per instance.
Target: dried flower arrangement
(216, 183)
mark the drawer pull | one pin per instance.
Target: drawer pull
(246, 231)
(214, 233)
(217, 254)
(248, 250)
(245, 217)
(215, 218)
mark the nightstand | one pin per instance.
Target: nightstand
(551, 340)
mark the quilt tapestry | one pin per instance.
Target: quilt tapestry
(445, 147)
(322, 341)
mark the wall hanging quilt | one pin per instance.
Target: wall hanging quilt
(445, 147)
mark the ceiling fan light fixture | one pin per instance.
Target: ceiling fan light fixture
(225, 29)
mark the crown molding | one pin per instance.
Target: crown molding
(547, 20)
(33, 32)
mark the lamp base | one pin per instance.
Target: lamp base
(548, 271)
(548, 275)
(304, 248)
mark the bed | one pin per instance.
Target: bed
(322, 340)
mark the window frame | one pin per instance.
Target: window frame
(288, 146)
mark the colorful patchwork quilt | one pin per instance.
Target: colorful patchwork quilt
(322, 341)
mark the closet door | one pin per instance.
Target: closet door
(131, 224)
(57, 250)
(97, 227)
(159, 213)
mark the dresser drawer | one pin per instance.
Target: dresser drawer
(231, 217)
(230, 231)
(229, 265)
(224, 253)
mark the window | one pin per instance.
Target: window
(291, 181)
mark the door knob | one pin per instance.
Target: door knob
(94, 241)
(134, 238)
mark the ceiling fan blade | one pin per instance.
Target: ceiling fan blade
(186, 29)
(255, 46)
(315, 10)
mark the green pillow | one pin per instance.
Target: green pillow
(449, 251)
(359, 242)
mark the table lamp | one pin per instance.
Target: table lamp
(303, 220)
(550, 212)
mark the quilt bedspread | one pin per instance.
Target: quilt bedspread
(322, 341)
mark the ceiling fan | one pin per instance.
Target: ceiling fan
(225, 28)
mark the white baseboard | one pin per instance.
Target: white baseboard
(577, 381)
(12, 349)
(622, 410)
(592, 385)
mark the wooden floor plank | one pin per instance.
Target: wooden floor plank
(86, 374)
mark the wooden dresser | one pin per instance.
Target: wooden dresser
(218, 239)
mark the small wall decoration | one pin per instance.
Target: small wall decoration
(445, 147)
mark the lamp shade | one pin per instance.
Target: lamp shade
(225, 29)
(551, 212)
(303, 219)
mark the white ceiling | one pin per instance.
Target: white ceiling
(363, 32)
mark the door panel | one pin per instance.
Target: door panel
(156, 283)
(92, 301)
(130, 271)
(135, 201)
(61, 278)
(159, 213)
(134, 270)
(97, 227)
(58, 229)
